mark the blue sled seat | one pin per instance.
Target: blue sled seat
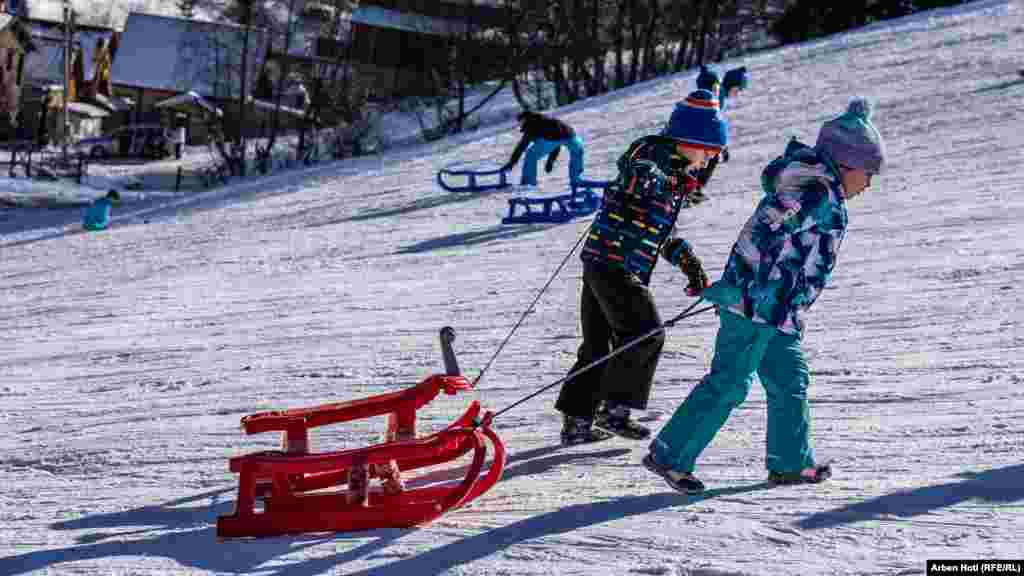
(583, 201)
(472, 182)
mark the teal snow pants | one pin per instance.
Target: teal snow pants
(743, 349)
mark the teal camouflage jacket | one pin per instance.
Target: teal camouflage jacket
(785, 253)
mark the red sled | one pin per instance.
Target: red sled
(331, 491)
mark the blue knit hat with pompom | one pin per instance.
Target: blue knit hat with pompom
(852, 140)
(736, 78)
(696, 121)
(708, 78)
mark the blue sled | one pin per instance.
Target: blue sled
(472, 183)
(553, 209)
(582, 186)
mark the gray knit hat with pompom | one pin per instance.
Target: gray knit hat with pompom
(852, 140)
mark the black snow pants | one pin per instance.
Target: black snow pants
(615, 308)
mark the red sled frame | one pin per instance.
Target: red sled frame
(300, 491)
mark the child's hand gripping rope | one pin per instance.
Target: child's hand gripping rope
(680, 253)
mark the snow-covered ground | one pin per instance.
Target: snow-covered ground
(129, 355)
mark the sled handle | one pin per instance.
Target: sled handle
(451, 366)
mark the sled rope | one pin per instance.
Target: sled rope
(530, 308)
(687, 313)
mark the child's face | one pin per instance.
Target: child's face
(698, 157)
(734, 91)
(855, 181)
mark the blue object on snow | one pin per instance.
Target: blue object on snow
(708, 79)
(582, 201)
(472, 182)
(97, 215)
(542, 147)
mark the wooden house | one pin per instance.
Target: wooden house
(161, 57)
(403, 47)
(15, 44)
(94, 38)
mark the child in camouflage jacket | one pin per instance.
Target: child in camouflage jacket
(778, 266)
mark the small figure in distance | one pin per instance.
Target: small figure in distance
(97, 215)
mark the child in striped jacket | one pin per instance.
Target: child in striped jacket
(636, 224)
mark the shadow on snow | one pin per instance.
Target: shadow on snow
(566, 519)
(1000, 86)
(186, 534)
(491, 234)
(999, 485)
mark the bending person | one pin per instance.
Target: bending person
(545, 136)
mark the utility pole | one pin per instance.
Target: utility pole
(247, 5)
(67, 75)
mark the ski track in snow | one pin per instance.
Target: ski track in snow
(129, 355)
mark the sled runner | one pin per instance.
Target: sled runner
(449, 180)
(582, 201)
(304, 491)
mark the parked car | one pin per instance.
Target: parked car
(147, 140)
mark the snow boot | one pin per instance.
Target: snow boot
(580, 431)
(615, 419)
(681, 481)
(810, 475)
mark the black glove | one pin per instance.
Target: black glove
(680, 253)
(696, 277)
(704, 174)
(724, 155)
(696, 196)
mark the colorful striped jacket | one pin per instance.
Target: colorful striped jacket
(785, 253)
(640, 209)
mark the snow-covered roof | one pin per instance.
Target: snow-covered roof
(45, 65)
(178, 55)
(87, 109)
(110, 14)
(115, 104)
(16, 27)
(265, 105)
(187, 101)
(410, 22)
(385, 18)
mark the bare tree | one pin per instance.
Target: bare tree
(215, 60)
(338, 96)
(458, 65)
(283, 30)
(187, 8)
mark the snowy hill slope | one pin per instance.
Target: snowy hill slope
(129, 355)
